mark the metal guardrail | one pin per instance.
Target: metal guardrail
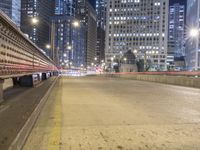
(18, 54)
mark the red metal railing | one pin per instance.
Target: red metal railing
(18, 55)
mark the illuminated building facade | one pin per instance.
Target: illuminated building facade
(140, 26)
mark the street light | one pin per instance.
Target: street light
(135, 51)
(48, 46)
(34, 20)
(69, 47)
(194, 32)
(76, 24)
(65, 55)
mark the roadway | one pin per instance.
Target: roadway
(16, 109)
(94, 113)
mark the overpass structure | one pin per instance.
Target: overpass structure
(20, 58)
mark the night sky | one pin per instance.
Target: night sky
(93, 2)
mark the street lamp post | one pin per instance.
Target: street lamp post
(70, 47)
(95, 61)
(111, 65)
(194, 33)
(125, 59)
(35, 21)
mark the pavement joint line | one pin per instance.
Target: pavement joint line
(23, 134)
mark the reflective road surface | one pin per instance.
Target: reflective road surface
(94, 113)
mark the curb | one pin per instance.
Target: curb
(21, 137)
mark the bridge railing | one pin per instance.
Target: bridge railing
(18, 55)
(175, 73)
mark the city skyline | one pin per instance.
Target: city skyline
(135, 96)
(130, 39)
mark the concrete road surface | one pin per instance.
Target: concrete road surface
(94, 113)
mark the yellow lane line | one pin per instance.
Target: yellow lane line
(55, 131)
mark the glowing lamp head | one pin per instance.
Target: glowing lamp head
(35, 21)
(135, 51)
(76, 24)
(194, 32)
(69, 47)
(48, 46)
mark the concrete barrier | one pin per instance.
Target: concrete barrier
(5, 84)
(166, 79)
(8, 83)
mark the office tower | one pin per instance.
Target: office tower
(13, 9)
(176, 36)
(101, 23)
(68, 42)
(35, 21)
(68, 36)
(65, 7)
(192, 42)
(85, 12)
(140, 26)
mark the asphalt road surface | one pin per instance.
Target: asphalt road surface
(114, 114)
(16, 109)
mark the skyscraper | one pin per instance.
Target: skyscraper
(35, 21)
(176, 34)
(140, 26)
(13, 9)
(68, 42)
(101, 25)
(192, 42)
(68, 36)
(65, 7)
(86, 13)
